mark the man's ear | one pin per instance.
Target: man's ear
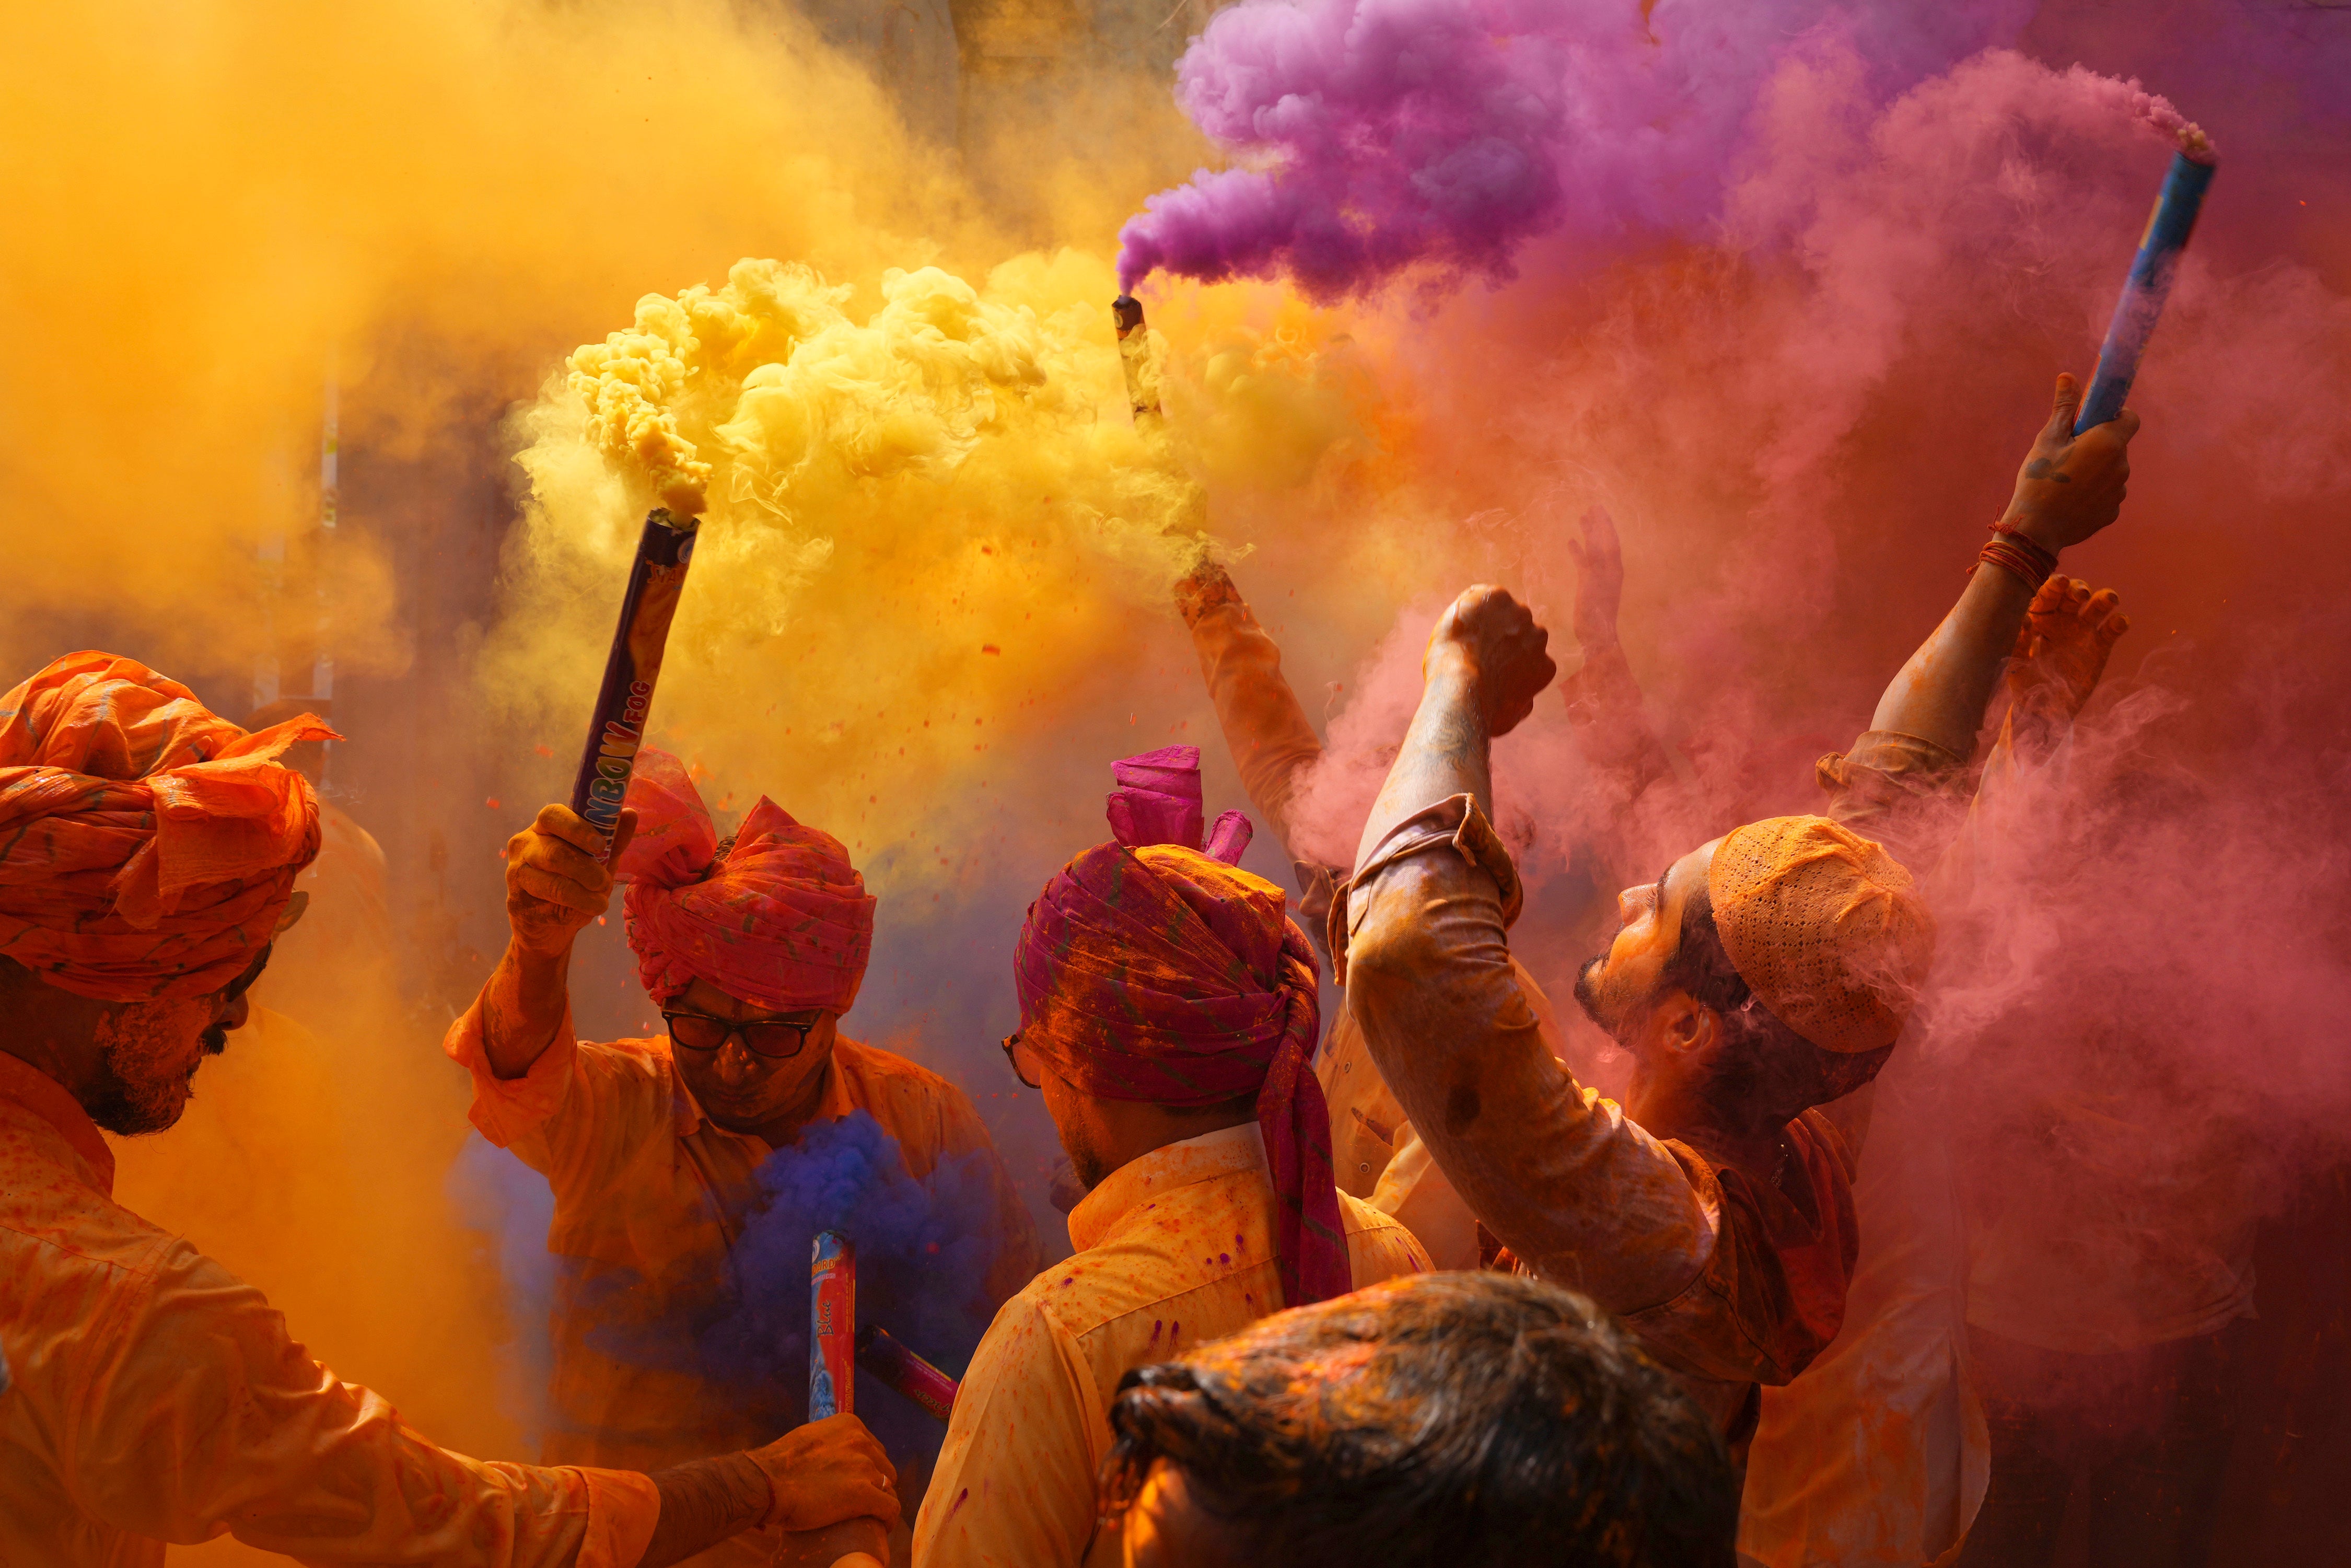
(1687, 1027)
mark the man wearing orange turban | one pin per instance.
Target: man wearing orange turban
(1767, 973)
(1168, 1012)
(752, 948)
(148, 853)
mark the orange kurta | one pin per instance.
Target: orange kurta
(648, 1196)
(1175, 1248)
(158, 1398)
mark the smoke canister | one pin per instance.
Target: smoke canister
(889, 1363)
(2144, 291)
(832, 1325)
(1134, 358)
(617, 727)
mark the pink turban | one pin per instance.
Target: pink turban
(783, 923)
(1150, 969)
(148, 846)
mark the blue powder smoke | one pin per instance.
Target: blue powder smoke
(923, 1252)
(511, 1206)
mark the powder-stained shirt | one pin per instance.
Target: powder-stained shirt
(158, 1398)
(649, 1193)
(1729, 1281)
(1374, 1154)
(1173, 1248)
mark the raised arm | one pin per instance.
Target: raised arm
(2069, 487)
(555, 886)
(1267, 731)
(1603, 700)
(1486, 663)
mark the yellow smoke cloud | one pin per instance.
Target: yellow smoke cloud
(930, 528)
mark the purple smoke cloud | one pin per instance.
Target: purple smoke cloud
(1372, 136)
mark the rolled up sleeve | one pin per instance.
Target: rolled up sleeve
(1908, 794)
(1581, 1195)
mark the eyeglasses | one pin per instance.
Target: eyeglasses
(244, 982)
(774, 1038)
(1027, 1066)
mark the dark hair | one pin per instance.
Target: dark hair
(1459, 1419)
(1765, 1066)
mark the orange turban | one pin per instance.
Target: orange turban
(147, 846)
(1824, 927)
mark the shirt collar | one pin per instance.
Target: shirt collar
(45, 1097)
(1160, 1172)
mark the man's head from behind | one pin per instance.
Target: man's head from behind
(1165, 993)
(1442, 1419)
(1765, 972)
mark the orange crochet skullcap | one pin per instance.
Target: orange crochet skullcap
(1824, 927)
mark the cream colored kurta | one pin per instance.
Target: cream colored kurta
(1173, 1248)
(157, 1398)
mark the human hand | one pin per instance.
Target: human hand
(2062, 648)
(2071, 485)
(1599, 581)
(826, 1473)
(1494, 641)
(853, 1543)
(555, 883)
(1201, 590)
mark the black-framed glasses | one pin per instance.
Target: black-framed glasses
(773, 1038)
(1025, 1064)
(244, 982)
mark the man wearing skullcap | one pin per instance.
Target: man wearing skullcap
(148, 855)
(1168, 1012)
(1765, 974)
(752, 948)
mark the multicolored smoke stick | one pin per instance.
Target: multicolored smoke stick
(2143, 292)
(832, 1325)
(617, 729)
(888, 1361)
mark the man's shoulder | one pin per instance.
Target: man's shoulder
(1381, 1246)
(877, 1079)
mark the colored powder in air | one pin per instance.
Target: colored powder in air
(1368, 138)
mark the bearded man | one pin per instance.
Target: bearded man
(753, 948)
(1168, 1012)
(1767, 973)
(148, 854)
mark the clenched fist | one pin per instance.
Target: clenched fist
(555, 883)
(1497, 640)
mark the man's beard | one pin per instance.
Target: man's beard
(1587, 997)
(1086, 1162)
(134, 1094)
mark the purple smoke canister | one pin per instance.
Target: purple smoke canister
(617, 727)
(1134, 358)
(2151, 273)
(888, 1361)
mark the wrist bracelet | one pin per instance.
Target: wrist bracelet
(2013, 552)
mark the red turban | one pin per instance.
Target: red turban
(783, 923)
(148, 846)
(1152, 970)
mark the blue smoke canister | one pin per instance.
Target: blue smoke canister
(2151, 281)
(617, 729)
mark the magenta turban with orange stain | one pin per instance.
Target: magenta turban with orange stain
(782, 922)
